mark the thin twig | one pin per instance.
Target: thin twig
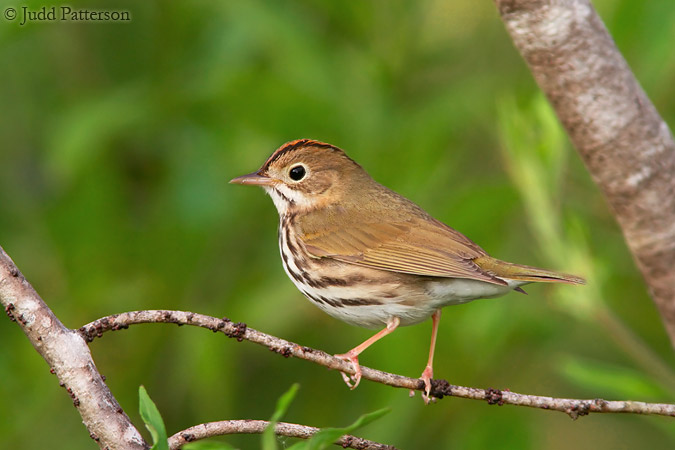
(225, 427)
(440, 388)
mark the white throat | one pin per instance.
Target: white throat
(283, 197)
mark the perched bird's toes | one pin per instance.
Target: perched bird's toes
(427, 375)
(347, 379)
(351, 380)
(427, 399)
(357, 379)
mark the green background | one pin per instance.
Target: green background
(117, 141)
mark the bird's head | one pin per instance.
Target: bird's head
(306, 174)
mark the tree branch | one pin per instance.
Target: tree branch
(69, 359)
(440, 388)
(625, 144)
(225, 427)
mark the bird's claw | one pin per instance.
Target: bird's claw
(426, 396)
(427, 375)
(351, 380)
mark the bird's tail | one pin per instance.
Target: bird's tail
(503, 269)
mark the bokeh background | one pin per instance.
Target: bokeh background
(117, 141)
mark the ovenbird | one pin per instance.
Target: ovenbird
(370, 257)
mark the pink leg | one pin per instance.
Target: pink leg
(353, 354)
(428, 372)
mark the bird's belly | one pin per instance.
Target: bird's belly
(369, 310)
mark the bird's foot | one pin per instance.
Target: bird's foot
(427, 375)
(351, 380)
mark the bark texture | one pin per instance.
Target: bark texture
(625, 144)
(69, 359)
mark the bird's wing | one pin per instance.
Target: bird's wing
(418, 245)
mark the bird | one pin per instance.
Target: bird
(370, 257)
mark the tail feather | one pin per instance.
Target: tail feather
(503, 269)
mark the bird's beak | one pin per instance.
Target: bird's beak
(254, 179)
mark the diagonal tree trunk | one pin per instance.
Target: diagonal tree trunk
(625, 144)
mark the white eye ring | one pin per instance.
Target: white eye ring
(298, 172)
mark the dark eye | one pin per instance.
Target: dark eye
(297, 173)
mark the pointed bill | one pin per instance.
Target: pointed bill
(254, 179)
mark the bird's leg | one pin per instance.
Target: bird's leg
(428, 372)
(353, 354)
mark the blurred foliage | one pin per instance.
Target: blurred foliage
(116, 144)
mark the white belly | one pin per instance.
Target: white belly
(411, 308)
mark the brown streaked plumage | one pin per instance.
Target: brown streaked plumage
(367, 255)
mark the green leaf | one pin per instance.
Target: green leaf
(327, 436)
(269, 440)
(153, 420)
(205, 445)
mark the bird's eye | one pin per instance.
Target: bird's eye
(297, 173)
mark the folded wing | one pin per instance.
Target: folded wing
(418, 245)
